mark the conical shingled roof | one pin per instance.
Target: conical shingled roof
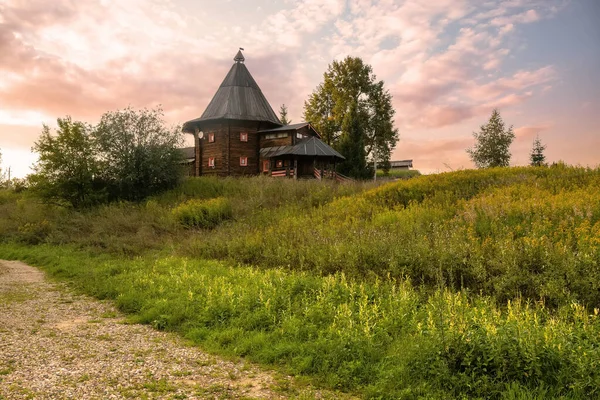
(238, 98)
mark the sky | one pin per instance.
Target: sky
(447, 64)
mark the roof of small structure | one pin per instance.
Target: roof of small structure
(401, 163)
(286, 127)
(188, 153)
(311, 146)
(291, 127)
(238, 98)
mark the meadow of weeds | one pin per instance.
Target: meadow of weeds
(531, 232)
(472, 284)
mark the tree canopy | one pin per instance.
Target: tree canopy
(129, 155)
(352, 146)
(537, 157)
(138, 155)
(67, 170)
(347, 84)
(492, 143)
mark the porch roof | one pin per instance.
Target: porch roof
(312, 147)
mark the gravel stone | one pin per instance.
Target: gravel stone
(55, 344)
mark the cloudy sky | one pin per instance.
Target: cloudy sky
(447, 63)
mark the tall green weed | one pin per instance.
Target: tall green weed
(381, 338)
(531, 232)
(203, 213)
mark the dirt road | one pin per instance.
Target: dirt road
(58, 345)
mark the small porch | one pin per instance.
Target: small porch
(308, 159)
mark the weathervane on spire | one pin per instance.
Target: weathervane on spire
(239, 57)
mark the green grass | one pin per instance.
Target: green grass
(471, 284)
(14, 296)
(398, 173)
(531, 232)
(383, 339)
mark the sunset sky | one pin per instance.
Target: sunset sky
(447, 63)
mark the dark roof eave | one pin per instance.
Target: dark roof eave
(188, 126)
(282, 128)
(292, 127)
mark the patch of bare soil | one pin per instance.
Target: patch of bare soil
(58, 345)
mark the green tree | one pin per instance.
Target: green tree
(345, 83)
(67, 170)
(492, 144)
(352, 146)
(283, 115)
(537, 156)
(138, 154)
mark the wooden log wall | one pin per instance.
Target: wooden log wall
(228, 148)
(248, 149)
(286, 141)
(216, 149)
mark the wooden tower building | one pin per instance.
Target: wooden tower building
(240, 134)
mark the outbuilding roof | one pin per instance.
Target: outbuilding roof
(401, 163)
(286, 127)
(291, 127)
(188, 153)
(238, 98)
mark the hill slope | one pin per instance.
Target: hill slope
(476, 284)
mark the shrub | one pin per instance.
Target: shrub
(137, 153)
(505, 232)
(398, 173)
(67, 170)
(203, 213)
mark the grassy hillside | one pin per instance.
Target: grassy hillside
(476, 284)
(504, 232)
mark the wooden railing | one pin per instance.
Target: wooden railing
(283, 173)
(326, 174)
(342, 178)
(318, 174)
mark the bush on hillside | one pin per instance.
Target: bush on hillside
(137, 153)
(129, 155)
(203, 213)
(67, 170)
(398, 173)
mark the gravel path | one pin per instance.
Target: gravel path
(58, 345)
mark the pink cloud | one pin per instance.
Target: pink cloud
(529, 132)
(435, 155)
(439, 116)
(182, 81)
(86, 57)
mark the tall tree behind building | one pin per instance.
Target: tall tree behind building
(492, 143)
(345, 83)
(283, 115)
(352, 145)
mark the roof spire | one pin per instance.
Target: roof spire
(239, 57)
